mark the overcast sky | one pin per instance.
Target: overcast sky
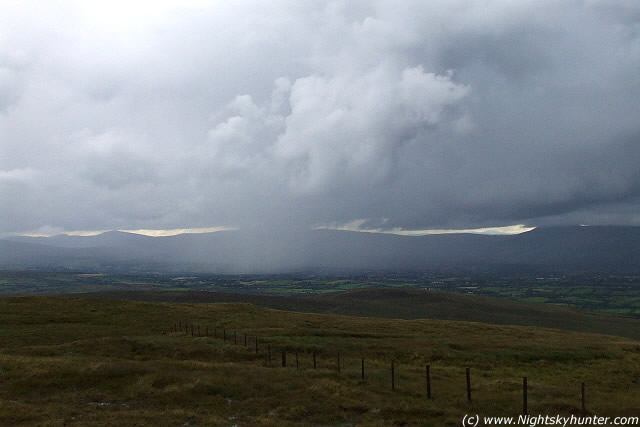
(300, 114)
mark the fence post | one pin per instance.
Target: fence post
(199, 330)
(468, 385)
(224, 335)
(284, 359)
(338, 362)
(297, 364)
(245, 340)
(269, 346)
(524, 395)
(207, 331)
(235, 338)
(186, 328)
(314, 360)
(256, 344)
(180, 323)
(584, 409)
(192, 329)
(393, 376)
(428, 375)
(362, 369)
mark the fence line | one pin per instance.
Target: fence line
(177, 328)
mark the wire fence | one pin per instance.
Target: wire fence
(264, 350)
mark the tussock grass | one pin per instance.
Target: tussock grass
(84, 361)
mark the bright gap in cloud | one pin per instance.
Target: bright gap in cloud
(142, 231)
(176, 231)
(357, 224)
(351, 226)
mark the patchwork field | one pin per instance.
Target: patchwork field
(613, 294)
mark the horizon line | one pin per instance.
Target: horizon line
(504, 230)
(354, 226)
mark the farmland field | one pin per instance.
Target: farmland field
(598, 292)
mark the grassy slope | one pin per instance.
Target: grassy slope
(415, 304)
(94, 361)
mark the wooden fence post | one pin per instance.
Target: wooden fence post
(192, 329)
(428, 375)
(284, 359)
(235, 338)
(180, 323)
(468, 385)
(524, 395)
(256, 344)
(393, 376)
(314, 360)
(245, 340)
(338, 362)
(224, 334)
(362, 369)
(199, 330)
(269, 346)
(297, 364)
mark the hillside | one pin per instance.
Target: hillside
(412, 304)
(606, 249)
(83, 361)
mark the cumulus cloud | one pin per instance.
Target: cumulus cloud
(327, 132)
(347, 131)
(453, 114)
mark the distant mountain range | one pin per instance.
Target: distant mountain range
(595, 248)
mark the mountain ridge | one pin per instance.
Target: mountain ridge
(574, 248)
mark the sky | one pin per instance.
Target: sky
(370, 115)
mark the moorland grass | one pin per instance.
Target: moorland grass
(81, 361)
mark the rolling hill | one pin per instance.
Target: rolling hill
(90, 361)
(606, 249)
(411, 304)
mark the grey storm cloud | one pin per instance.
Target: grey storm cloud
(413, 115)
